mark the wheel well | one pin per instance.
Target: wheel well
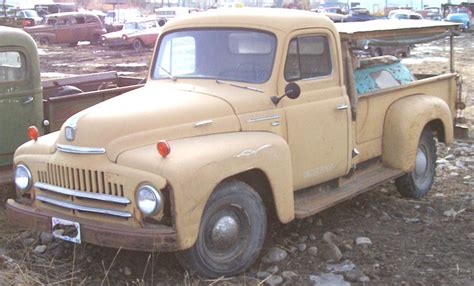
(258, 180)
(436, 126)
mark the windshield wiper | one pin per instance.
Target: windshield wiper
(238, 85)
(167, 73)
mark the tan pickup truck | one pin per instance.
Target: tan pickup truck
(245, 113)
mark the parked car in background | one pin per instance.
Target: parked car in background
(358, 15)
(68, 28)
(115, 19)
(54, 8)
(398, 51)
(166, 13)
(462, 18)
(121, 38)
(335, 17)
(434, 17)
(28, 17)
(404, 15)
(142, 38)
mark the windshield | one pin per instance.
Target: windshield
(226, 54)
(30, 13)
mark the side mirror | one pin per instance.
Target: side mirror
(292, 91)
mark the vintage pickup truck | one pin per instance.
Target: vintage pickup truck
(246, 113)
(26, 100)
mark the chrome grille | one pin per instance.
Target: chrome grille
(78, 179)
(80, 190)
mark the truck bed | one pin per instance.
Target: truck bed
(94, 88)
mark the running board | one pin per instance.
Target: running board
(316, 199)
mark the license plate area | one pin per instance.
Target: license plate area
(66, 230)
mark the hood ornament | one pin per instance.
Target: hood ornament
(71, 124)
(69, 133)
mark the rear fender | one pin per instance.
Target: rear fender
(197, 165)
(404, 122)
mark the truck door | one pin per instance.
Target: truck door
(318, 120)
(19, 103)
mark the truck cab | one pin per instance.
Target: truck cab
(20, 91)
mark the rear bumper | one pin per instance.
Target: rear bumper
(109, 235)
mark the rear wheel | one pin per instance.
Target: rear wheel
(96, 39)
(418, 182)
(137, 45)
(231, 234)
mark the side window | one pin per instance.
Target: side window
(79, 20)
(91, 20)
(308, 57)
(12, 66)
(292, 65)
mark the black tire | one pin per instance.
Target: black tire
(406, 53)
(137, 45)
(236, 208)
(418, 182)
(161, 22)
(44, 41)
(378, 52)
(95, 39)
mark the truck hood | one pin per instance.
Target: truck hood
(146, 115)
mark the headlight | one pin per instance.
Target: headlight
(124, 37)
(22, 178)
(103, 39)
(149, 200)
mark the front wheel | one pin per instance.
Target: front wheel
(418, 182)
(231, 234)
(44, 41)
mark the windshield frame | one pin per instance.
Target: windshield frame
(208, 28)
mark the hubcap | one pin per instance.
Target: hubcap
(225, 232)
(421, 162)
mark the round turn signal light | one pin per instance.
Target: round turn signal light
(33, 133)
(163, 148)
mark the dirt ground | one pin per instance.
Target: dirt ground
(413, 242)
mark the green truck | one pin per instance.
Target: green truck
(25, 100)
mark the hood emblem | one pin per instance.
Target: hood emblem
(69, 133)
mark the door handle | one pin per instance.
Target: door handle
(28, 100)
(342, 107)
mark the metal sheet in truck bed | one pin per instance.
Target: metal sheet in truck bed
(392, 28)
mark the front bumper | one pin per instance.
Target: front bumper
(99, 233)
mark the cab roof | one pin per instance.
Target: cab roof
(286, 20)
(17, 37)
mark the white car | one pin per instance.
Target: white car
(404, 15)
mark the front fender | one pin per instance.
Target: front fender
(404, 122)
(197, 165)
